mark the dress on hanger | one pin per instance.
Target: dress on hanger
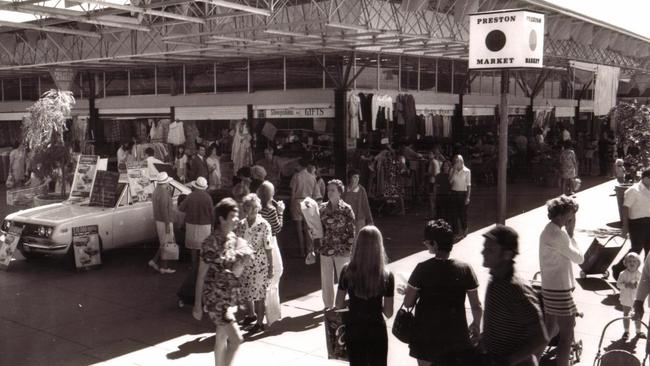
(241, 147)
(354, 104)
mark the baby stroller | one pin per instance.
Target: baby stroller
(551, 347)
(618, 357)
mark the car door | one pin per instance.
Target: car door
(132, 221)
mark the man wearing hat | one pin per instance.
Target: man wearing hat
(513, 328)
(199, 218)
(163, 214)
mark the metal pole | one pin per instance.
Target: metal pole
(503, 148)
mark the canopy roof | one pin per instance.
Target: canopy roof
(36, 36)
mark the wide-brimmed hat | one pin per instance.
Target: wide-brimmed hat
(163, 178)
(200, 183)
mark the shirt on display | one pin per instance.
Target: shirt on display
(176, 134)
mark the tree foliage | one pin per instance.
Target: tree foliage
(43, 132)
(633, 128)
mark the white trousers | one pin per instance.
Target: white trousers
(330, 269)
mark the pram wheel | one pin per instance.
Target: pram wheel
(577, 351)
(606, 275)
(583, 275)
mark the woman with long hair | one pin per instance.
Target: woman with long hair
(460, 178)
(223, 257)
(273, 212)
(370, 287)
(437, 288)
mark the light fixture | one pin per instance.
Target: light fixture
(246, 8)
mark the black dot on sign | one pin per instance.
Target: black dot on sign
(495, 40)
(532, 40)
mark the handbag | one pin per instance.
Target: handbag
(576, 184)
(404, 324)
(170, 251)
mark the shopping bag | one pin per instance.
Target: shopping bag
(272, 304)
(335, 334)
(404, 324)
(169, 251)
(577, 183)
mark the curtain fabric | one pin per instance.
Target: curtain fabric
(606, 88)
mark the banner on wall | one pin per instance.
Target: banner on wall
(84, 176)
(506, 39)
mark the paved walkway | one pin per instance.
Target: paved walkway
(299, 338)
(123, 314)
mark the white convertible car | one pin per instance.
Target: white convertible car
(48, 229)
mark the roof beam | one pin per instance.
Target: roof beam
(32, 26)
(75, 16)
(236, 6)
(137, 9)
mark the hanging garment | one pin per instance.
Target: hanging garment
(400, 105)
(381, 123)
(605, 89)
(446, 126)
(354, 104)
(241, 154)
(269, 131)
(320, 124)
(438, 126)
(428, 125)
(176, 134)
(365, 103)
(156, 132)
(374, 110)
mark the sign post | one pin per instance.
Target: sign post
(505, 40)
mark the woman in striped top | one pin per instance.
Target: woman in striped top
(273, 212)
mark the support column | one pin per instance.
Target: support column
(503, 148)
(340, 135)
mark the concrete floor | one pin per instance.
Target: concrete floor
(125, 314)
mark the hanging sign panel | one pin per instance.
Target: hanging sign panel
(507, 39)
(295, 111)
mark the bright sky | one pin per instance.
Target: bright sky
(631, 15)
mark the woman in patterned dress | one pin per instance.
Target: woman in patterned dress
(257, 273)
(223, 258)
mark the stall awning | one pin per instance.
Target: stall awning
(135, 111)
(210, 113)
(16, 116)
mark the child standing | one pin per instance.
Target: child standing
(627, 283)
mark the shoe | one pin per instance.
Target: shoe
(626, 336)
(167, 270)
(641, 334)
(153, 265)
(257, 328)
(248, 320)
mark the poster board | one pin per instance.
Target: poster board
(85, 242)
(140, 185)
(8, 246)
(84, 177)
(104, 191)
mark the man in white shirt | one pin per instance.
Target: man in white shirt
(566, 135)
(636, 214)
(151, 161)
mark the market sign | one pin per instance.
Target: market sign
(295, 111)
(84, 176)
(506, 39)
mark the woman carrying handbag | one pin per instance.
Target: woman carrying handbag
(439, 286)
(370, 289)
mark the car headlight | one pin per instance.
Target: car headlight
(6, 224)
(45, 231)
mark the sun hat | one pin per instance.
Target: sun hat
(163, 178)
(200, 183)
